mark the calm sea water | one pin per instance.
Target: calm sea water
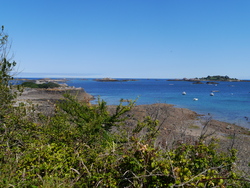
(230, 104)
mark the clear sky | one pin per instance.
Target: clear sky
(129, 38)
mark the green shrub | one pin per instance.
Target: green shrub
(76, 148)
(44, 85)
(29, 84)
(48, 85)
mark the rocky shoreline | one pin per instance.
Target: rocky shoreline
(54, 94)
(44, 99)
(175, 124)
(180, 125)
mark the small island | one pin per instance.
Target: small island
(209, 79)
(113, 80)
(218, 78)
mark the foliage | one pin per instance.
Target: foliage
(218, 78)
(29, 84)
(77, 148)
(44, 85)
(6, 66)
(84, 145)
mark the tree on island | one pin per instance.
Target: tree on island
(218, 78)
(44, 85)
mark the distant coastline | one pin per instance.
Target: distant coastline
(211, 79)
(114, 80)
(65, 78)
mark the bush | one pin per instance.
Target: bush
(48, 85)
(44, 85)
(76, 148)
(29, 84)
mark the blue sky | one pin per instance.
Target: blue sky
(129, 38)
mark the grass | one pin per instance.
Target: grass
(194, 127)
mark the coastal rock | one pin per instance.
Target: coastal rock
(54, 94)
(180, 125)
(106, 80)
(129, 80)
(211, 83)
(45, 99)
(197, 82)
(114, 80)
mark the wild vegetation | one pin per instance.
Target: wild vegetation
(44, 85)
(84, 145)
(219, 78)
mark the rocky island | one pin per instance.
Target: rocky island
(219, 78)
(209, 78)
(113, 80)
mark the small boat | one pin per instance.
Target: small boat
(195, 99)
(211, 94)
(184, 93)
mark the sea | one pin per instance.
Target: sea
(224, 101)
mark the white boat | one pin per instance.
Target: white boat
(195, 99)
(211, 94)
(184, 93)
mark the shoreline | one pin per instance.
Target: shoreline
(181, 125)
(49, 96)
(239, 121)
(175, 124)
(55, 94)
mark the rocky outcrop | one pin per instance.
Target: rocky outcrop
(106, 80)
(211, 83)
(44, 99)
(197, 82)
(54, 94)
(114, 80)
